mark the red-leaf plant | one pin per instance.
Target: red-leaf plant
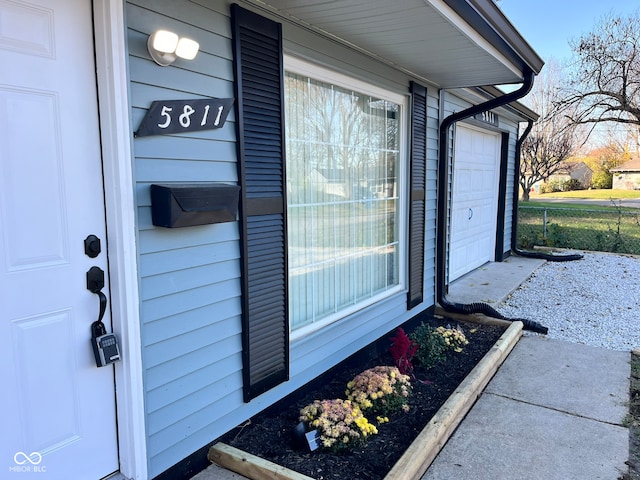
(402, 350)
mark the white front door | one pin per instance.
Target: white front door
(58, 408)
(474, 205)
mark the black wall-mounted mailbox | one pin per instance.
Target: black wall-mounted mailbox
(186, 205)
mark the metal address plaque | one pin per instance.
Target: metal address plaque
(177, 116)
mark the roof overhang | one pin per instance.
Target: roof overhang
(631, 166)
(451, 43)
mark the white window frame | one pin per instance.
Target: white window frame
(298, 66)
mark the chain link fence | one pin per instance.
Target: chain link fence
(614, 230)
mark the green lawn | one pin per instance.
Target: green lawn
(591, 194)
(574, 206)
(584, 227)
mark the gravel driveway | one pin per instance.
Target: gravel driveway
(595, 301)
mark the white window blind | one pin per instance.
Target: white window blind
(343, 184)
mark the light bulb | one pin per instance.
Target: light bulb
(164, 41)
(187, 48)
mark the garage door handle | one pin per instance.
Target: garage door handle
(470, 214)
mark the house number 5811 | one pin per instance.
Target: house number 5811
(175, 116)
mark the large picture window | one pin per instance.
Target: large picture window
(344, 185)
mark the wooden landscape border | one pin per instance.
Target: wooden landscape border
(426, 446)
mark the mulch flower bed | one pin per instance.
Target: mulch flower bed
(269, 435)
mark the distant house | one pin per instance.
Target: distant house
(579, 171)
(352, 206)
(362, 183)
(627, 175)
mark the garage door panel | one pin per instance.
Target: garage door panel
(474, 201)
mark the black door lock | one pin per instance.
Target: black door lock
(92, 246)
(105, 345)
(95, 279)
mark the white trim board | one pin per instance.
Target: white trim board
(111, 64)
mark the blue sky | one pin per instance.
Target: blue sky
(548, 25)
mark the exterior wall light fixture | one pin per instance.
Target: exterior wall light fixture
(164, 47)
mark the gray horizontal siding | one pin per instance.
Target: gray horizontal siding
(433, 104)
(346, 338)
(188, 257)
(184, 147)
(164, 284)
(512, 127)
(166, 375)
(190, 277)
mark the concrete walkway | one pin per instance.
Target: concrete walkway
(493, 282)
(214, 472)
(553, 411)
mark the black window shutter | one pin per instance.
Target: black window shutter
(417, 191)
(261, 163)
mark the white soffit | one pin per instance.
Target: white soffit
(426, 38)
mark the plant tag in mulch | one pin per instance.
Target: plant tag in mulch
(304, 439)
(313, 439)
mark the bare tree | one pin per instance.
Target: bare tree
(553, 137)
(605, 84)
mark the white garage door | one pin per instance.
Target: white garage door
(474, 204)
